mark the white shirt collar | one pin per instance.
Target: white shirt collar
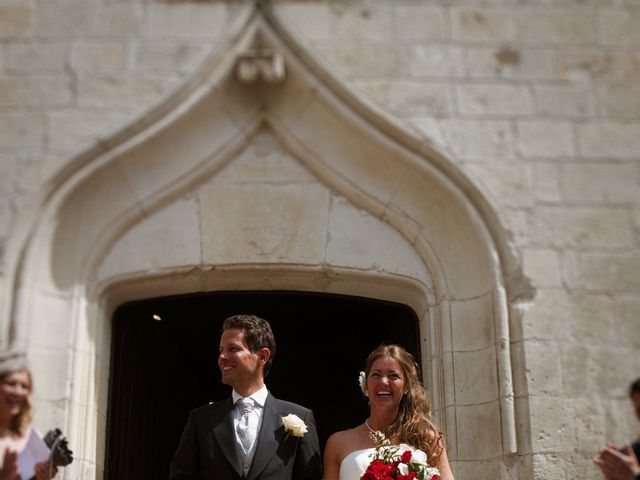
(259, 396)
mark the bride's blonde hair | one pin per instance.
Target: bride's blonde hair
(413, 423)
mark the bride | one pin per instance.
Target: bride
(398, 408)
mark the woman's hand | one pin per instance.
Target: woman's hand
(42, 471)
(9, 469)
(616, 465)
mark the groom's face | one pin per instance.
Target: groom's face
(239, 365)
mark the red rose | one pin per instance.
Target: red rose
(406, 456)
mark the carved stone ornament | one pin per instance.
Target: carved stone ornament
(264, 64)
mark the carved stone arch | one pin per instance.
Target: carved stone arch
(71, 269)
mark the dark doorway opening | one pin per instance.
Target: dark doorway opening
(164, 363)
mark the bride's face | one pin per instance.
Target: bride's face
(385, 383)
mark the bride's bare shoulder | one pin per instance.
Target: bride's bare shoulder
(338, 438)
(345, 441)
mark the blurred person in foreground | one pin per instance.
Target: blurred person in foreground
(622, 464)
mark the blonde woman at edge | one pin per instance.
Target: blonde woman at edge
(398, 407)
(15, 415)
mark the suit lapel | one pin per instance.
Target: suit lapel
(269, 439)
(224, 434)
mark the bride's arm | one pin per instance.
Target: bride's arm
(331, 464)
(443, 466)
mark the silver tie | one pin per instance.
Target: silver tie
(245, 433)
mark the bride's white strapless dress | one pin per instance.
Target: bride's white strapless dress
(355, 464)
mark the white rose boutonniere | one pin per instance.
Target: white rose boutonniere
(294, 425)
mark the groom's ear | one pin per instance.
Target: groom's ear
(263, 355)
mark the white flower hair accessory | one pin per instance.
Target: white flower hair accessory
(294, 425)
(362, 382)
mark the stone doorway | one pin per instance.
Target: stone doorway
(163, 368)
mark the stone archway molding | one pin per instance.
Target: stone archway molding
(260, 77)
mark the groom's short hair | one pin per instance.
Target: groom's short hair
(257, 334)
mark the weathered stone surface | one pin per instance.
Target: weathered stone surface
(533, 106)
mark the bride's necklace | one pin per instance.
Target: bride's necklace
(371, 430)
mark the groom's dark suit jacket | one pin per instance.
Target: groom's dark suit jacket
(208, 448)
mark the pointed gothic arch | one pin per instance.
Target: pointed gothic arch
(71, 269)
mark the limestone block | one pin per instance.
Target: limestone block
(625, 313)
(49, 90)
(35, 57)
(542, 266)
(433, 61)
(489, 99)
(119, 19)
(126, 92)
(545, 139)
(556, 26)
(96, 57)
(564, 100)
(619, 27)
(54, 330)
(13, 91)
(408, 96)
(612, 372)
(544, 374)
(609, 67)
(547, 317)
(475, 24)
(505, 184)
(564, 466)
(478, 469)
(582, 227)
(370, 60)
(590, 424)
(167, 238)
(620, 101)
(21, 131)
(68, 130)
(185, 20)
(50, 373)
(509, 62)
(167, 56)
(478, 431)
(546, 182)
(359, 240)
(472, 324)
(264, 224)
(264, 160)
(552, 424)
(604, 271)
(609, 140)
(605, 183)
(370, 20)
(312, 20)
(16, 20)
(68, 18)
(476, 376)
(576, 359)
(416, 21)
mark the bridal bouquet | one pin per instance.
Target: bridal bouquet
(388, 464)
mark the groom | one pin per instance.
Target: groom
(244, 436)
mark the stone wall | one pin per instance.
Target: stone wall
(537, 103)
